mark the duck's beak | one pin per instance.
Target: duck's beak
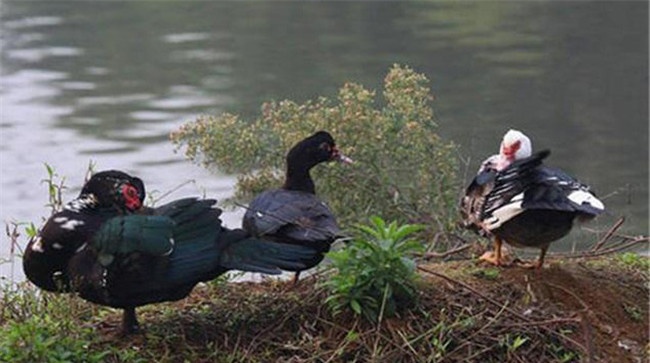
(340, 157)
(344, 159)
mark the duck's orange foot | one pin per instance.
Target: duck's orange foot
(491, 257)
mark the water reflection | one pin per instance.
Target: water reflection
(107, 81)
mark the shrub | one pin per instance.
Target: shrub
(374, 277)
(404, 171)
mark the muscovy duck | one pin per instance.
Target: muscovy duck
(293, 213)
(516, 199)
(111, 251)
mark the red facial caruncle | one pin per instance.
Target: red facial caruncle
(509, 151)
(131, 197)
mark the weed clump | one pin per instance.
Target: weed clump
(374, 277)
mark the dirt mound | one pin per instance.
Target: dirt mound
(605, 303)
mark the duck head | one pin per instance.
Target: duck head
(114, 189)
(315, 149)
(514, 146)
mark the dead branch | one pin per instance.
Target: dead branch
(624, 245)
(431, 255)
(609, 234)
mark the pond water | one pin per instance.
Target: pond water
(107, 81)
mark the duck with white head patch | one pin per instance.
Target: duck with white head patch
(516, 199)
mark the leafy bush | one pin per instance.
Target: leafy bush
(375, 278)
(404, 171)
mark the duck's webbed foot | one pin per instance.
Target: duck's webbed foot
(491, 258)
(496, 257)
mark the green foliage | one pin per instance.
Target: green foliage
(635, 260)
(634, 312)
(404, 170)
(490, 273)
(39, 339)
(512, 344)
(45, 327)
(375, 277)
(562, 354)
(55, 186)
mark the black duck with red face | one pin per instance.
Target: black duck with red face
(109, 250)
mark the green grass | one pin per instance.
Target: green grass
(272, 321)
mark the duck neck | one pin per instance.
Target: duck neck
(298, 179)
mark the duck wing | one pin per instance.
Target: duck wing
(554, 189)
(140, 259)
(504, 200)
(292, 215)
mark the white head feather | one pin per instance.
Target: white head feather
(525, 148)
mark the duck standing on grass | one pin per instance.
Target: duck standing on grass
(293, 213)
(111, 251)
(516, 199)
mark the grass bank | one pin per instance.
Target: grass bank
(576, 310)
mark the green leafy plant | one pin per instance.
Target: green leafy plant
(403, 169)
(39, 339)
(375, 277)
(55, 187)
(635, 260)
(562, 354)
(490, 273)
(634, 312)
(37, 326)
(513, 343)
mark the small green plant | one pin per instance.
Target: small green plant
(562, 354)
(375, 276)
(512, 344)
(441, 339)
(38, 326)
(55, 187)
(634, 312)
(40, 339)
(635, 260)
(403, 169)
(490, 273)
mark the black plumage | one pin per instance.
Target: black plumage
(126, 257)
(294, 214)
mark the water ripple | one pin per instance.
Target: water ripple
(33, 21)
(33, 55)
(185, 37)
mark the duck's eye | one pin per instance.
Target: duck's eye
(130, 191)
(325, 146)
